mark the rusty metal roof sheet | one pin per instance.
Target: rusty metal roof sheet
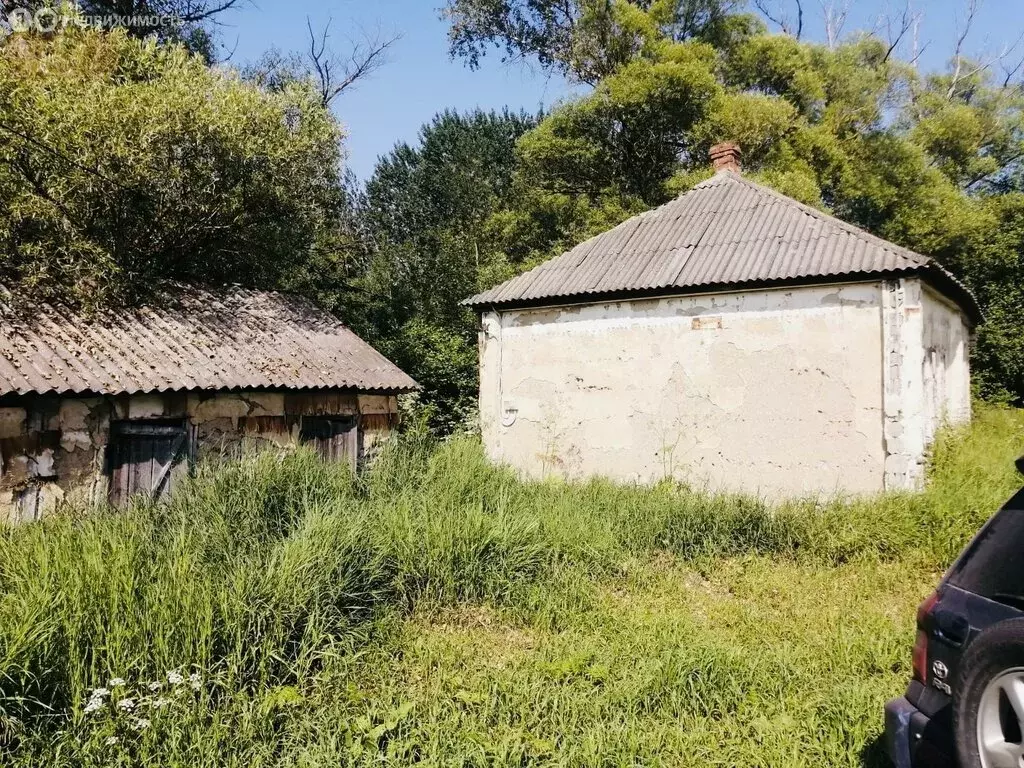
(190, 338)
(726, 232)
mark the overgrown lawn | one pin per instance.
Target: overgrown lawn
(438, 610)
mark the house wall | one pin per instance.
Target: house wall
(946, 365)
(57, 444)
(778, 392)
(927, 375)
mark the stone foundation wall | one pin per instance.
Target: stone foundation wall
(53, 449)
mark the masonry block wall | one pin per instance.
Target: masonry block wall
(54, 448)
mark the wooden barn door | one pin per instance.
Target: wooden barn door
(336, 438)
(147, 458)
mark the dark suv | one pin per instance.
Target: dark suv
(965, 704)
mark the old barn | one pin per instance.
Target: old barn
(120, 403)
(733, 338)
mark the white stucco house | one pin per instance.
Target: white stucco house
(734, 339)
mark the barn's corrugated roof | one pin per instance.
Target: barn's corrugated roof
(726, 232)
(189, 339)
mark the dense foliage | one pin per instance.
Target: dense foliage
(191, 23)
(429, 244)
(124, 162)
(277, 612)
(585, 39)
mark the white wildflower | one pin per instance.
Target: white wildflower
(94, 705)
(128, 704)
(117, 682)
(155, 686)
(196, 681)
(99, 693)
(111, 741)
(174, 678)
(161, 703)
(141, 724)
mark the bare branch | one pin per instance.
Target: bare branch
(231, 52)
(896, 29)
(198, 11)
(918, 52)
(917, 48)
(779, 17)
(1009, 65)
(1010, 72)
(336, 75)
(958, 59)
(834, 15)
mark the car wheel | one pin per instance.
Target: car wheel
(988, 709)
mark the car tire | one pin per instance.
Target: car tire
(997, 654)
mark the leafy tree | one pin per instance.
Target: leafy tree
(629, 133)
(126, 162)
(971, 127)
(997, 274)
(425, 216)
(460, 171)
(586, 39)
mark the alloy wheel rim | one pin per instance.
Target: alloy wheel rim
(1001, 721)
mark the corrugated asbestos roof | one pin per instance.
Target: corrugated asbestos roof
(726, 231)
(191, 339)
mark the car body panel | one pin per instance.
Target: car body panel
(912, 738)
(919, 724)
(945, 647)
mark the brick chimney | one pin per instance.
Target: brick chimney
(726, 157)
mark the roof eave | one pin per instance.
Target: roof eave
(936, 275)
(73, 393)
(949, 286)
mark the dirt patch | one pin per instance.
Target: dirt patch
(478, 632)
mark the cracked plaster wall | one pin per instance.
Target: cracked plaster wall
(777, 392)
(52, 449)
(927, 376)
(947, 367)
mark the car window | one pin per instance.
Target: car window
(993, 564)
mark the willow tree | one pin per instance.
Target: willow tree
(124, 163)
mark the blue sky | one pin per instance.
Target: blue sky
(420, 79)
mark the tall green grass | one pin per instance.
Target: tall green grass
(264, 576)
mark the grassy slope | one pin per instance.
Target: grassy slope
(441, 611)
